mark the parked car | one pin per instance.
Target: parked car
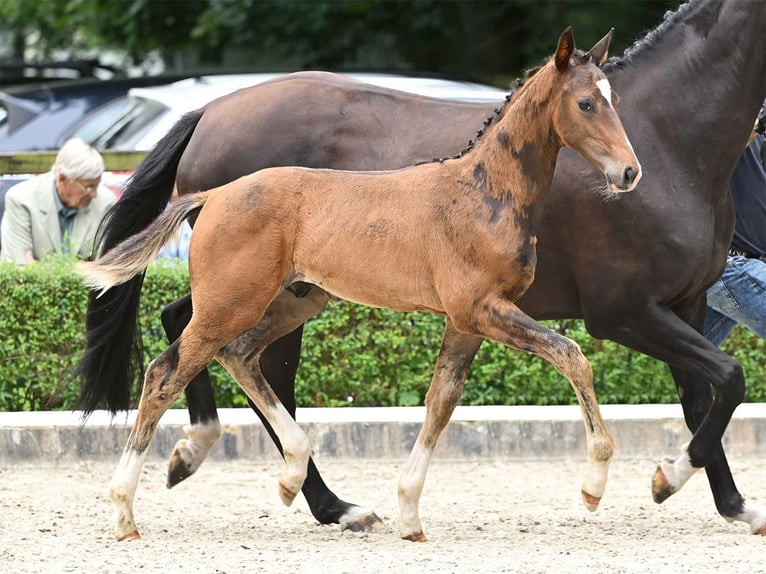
(14, 71)
(138, 120)
(43, 116)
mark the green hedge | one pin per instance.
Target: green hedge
(351, 354)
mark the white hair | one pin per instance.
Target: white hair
(78, 160)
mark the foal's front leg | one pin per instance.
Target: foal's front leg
(502, 321)
(457, 353)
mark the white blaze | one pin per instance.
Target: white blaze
(606, 90)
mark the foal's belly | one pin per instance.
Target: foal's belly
(377, 282)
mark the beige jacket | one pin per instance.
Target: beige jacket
(31, 221)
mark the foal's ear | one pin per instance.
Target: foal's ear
(565, 49)
(600, 51)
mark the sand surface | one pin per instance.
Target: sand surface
(480, 516)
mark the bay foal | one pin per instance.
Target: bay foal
(451, 237)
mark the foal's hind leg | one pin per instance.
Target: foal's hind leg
(241, 360)
(204, 429)
(165, 378)
(457, 352)
(504, 322)
(325, 506)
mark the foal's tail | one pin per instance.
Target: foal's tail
(132, 256)
(113, 358)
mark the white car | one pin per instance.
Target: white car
(138, 120)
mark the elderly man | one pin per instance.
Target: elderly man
(58, 211)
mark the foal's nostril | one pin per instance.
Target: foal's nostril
(628, 176)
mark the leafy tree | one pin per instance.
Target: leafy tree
(484, 39)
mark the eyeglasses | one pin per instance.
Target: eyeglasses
(87, 189)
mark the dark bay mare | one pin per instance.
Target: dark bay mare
(452, 237)
(635, 269)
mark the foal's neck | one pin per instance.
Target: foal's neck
(516, 156)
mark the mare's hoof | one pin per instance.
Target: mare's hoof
(178, 470)
(761, 531)
(130, 536)
(417, 537)
(661, 487)
(367, 523)
(591, 502)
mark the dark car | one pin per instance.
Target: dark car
(16, 71)
(43, 116)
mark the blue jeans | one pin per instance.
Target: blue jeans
(739, 296)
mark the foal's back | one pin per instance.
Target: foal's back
(362, 236)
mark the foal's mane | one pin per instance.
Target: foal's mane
(500, 112)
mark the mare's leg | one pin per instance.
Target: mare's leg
(498, 319)
(662, 334)
(204, 429)
(457, 352)
(696, 398)
(165, 378)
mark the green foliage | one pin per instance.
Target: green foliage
(351, 354)
(365, 356)
(482, 39)
(374, 348)
(42, 310)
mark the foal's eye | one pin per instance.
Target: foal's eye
(585, 105)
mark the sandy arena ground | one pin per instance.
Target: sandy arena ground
(480, 516)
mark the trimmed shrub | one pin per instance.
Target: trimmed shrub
(352, 355)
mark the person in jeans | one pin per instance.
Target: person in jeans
(739, 296)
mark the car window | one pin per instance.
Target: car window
(117, 124)
(99, 120)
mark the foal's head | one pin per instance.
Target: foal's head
(585, 112)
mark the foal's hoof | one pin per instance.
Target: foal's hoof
(130, 536)
(367, 523)
(286, 495)
(591, 502)
(661, 487)
(179, 469)
(761, 531)
(416, 537)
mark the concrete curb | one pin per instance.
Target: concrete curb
(44, 438)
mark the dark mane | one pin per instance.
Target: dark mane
(499, 111)
(644, 46)
(579, 55)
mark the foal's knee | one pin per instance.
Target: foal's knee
(572, 360)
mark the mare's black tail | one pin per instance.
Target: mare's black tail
(113, 358)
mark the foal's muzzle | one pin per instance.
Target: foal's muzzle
(626, 180)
